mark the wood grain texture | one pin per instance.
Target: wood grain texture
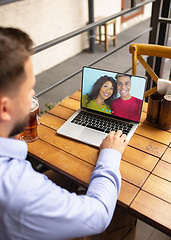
(139, 158)
(153, 133)
(127, 194)
(147, 145)
(51, 121)
(133, 174)
(163, 170)
(159, 187)
(76, 95)
(143, 117)
(58, 160)
(71, 103)
(75, 148)
(61, 112)
(167, 155)
(145, 106)
(152, 210)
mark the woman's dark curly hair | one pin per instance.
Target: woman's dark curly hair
(97, 86)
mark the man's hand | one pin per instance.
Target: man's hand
(115, 140)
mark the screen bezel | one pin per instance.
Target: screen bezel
(106, 72)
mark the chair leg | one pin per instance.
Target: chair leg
(106, 39)
(100, 34)
(114, 34)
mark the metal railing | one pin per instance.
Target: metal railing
(79, 31)
(91, 64)
(88, 27)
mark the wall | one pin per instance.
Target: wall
(139, 18)
(45, 20)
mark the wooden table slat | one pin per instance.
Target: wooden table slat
(159, 187)
(145, 106)
(62, 162)
(127, 194)
(133, 174)
(163, 170)
(152, 210)
(167, 155)
(75, 148)
(139, 158)
(71, 103)
(147, 145)
(143, 117)
(51, 121)
(155, 134)
(76, 95)
(61, 112)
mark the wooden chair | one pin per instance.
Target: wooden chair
(107, 36)
(148, 50)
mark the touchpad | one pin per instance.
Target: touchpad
(92, 137)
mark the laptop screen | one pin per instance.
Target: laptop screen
(117, 94)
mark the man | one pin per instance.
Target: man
(31, 205)
(129, 106)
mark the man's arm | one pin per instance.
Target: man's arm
(107, 172)
(46, 211)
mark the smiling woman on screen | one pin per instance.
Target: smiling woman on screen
(102, 94)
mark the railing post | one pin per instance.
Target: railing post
(133, 3)
(154, 22)
(91, 20)
(153, 37)
(158, 35)
(162, 34)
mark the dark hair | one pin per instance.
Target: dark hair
(97, 86)
(122, 75)
(15, 49)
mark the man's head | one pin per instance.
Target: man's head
(123, 85)
(16, 80)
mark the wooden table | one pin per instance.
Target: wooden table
(145, 165)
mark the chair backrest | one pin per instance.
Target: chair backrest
(148, 50)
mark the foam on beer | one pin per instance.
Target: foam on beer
(34, 105)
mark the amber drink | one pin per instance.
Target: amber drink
(30, 132)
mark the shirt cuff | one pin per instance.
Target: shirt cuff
(109, 156)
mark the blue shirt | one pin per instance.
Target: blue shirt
(33, 207)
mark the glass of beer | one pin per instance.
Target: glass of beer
(30, 132)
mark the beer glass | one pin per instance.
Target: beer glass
(30, 132)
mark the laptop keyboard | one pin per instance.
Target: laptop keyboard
(100, 123)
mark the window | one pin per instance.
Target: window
(126, 4)
(2, 2)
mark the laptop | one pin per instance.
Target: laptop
(103, 108)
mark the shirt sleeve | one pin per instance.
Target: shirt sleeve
(49, 212)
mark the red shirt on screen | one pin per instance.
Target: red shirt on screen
(130, 109)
